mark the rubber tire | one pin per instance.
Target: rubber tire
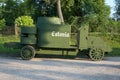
(27, 52)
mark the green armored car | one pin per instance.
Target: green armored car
(50, 34)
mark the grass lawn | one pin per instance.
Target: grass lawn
(3, 39)
(115, 48)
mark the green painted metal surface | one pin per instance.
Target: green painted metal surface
(53, 34)
(73, 39)
(97, 42)
(28, 30)
(28, 35)
(83, 36)
(48, 20)
(28, 39)
(50, 33)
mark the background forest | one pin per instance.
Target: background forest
(74, 11)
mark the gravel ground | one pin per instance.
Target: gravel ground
(59, 69)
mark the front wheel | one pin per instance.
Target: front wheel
(96, 54)
(27, 52)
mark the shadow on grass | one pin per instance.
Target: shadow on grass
(54, 56)
(8, 51)
(115, 52)
(60, 56)
(11, 52)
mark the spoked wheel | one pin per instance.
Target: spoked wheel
(96, 54)
(27, 52)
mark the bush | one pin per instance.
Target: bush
(24, 21)
(2, 24)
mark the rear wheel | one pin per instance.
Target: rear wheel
(27, 52)
(96, 54)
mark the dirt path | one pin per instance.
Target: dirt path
(59, 69)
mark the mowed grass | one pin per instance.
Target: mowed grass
(6, 39)
(112, 41)
(115, 48)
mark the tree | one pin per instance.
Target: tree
(47, 6)
(2, 24)
(93, 11)
(24, 21)
(117, 2)
(103, 13)
(10, 11)
(60, 11)
(2, 3)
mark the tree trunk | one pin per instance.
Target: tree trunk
(16, 29)
(60, 11)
